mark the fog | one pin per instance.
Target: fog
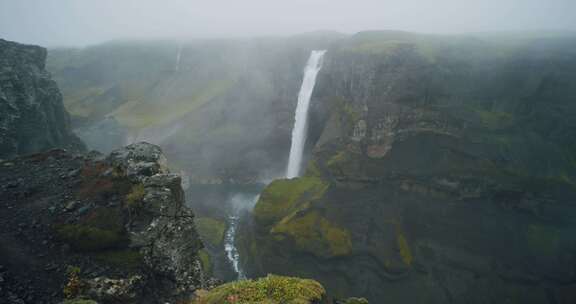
(71, 22)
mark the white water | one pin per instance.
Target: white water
(239, 204)
(177, 67)
(230, 248)
(300, 129)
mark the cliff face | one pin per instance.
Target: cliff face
(32, 116)
(443, 172)
(113, 229)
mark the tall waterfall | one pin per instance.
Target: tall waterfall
(301, 117)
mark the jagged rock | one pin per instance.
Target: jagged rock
(115, 290)
(168, 240)
(139, 160)
(32, 116)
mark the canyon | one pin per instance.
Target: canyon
(426, 168)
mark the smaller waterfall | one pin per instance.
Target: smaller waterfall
(178, 55)
(230, 248)
(300, 129)
(239, 203)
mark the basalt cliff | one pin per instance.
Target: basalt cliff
(32, 115)
(441, 171)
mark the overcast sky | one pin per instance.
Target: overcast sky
(81, 22)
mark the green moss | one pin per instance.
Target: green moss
(337, 159)
(285, 196)
(337, 238)
(270, 290)
(88, 238)
(125, 258)
(206, 261)
(543, 240)
(138, 113)
(343, 162)
(312, 169)
(494, 120)
(135, 196)
(315, 234)
(211, 230)
(405, 252)
(346, 112)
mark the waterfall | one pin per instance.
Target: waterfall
(239, 204)
(301, 117)
(178, 55)
(230, 247)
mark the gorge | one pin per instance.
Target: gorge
(421, 168)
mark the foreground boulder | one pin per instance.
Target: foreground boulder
(271, 289)
(32, 115)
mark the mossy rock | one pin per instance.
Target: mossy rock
(316, 234)
(206, 261)
(88, 238)
(285, 196)
(543, 240)
(135, 196)
(211, 230)
(269, 290)
(312, 170)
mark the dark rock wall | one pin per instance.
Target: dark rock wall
(32, 116)
(450, 170)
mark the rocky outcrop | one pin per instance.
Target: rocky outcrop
(442, 172)
(162, 227)
(113, 229)
(32, 115)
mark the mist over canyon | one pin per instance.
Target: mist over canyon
(390, 166)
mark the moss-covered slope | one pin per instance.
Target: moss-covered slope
(271, 289)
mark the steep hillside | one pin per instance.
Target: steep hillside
(442, 172)
(32, 116)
